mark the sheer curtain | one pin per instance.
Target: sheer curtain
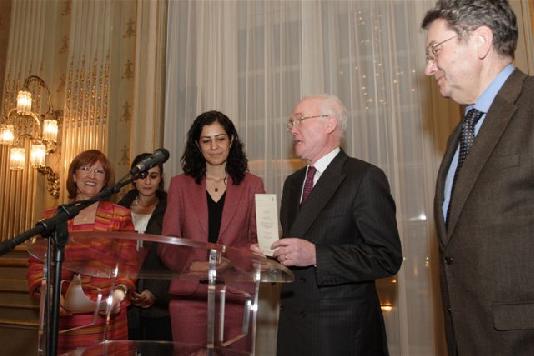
(253, 60)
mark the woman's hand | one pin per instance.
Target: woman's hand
(199, 266)
(115, 299)
(62, 310)
(144, 300)
(255, 248)
(204, 266)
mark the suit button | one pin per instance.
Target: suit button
(449, 309)
(449, 260)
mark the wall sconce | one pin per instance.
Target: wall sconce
(25, 121)
(17, 158)
(7, 134)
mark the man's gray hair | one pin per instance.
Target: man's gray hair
(332, 105)
(464, 16)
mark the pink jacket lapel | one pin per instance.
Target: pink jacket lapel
(199, 205)
(231, 204)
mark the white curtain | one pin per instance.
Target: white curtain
(253, 60)
(100, 82)
(146, 126)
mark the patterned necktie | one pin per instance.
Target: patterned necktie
(308, 183)
(467, 136)
(467, 139)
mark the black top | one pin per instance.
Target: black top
(214, 217)
(152, 262)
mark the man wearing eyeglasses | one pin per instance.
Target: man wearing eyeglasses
(340, 234)
(484, 203)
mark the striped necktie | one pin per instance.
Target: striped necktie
(308, 183)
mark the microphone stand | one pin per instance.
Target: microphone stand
(57, 226)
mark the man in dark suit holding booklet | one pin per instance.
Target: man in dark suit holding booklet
(339, 236)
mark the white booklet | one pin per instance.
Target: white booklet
(266, 222)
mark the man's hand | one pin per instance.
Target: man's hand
(294, 252)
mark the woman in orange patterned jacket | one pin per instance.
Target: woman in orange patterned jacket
(89, 173)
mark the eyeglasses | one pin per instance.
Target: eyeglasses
(295, 120)
(87, 170)
(433, 49)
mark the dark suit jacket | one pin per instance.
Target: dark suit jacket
(333, 309)
(487, 264)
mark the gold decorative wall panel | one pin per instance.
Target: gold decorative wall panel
(32, 30)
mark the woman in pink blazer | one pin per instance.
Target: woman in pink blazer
(213, 201)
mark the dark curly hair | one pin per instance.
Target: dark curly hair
(194, 163)
(464, 16)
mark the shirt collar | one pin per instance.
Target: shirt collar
(324, 161)
(485, 100)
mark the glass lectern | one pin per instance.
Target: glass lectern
(226, 279)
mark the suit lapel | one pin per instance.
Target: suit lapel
(498, 117)
(321, 194)
(200, 205)
(231, 204)
(442, 176)
(292, 200)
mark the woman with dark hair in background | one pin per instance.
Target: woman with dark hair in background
(148, 316)
(89, 173)
(213, 201)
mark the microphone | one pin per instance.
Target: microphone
(159, 156)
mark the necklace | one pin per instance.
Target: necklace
(215, 181)
(142, 208)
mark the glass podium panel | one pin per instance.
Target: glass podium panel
(211, 289)
(149, 348)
